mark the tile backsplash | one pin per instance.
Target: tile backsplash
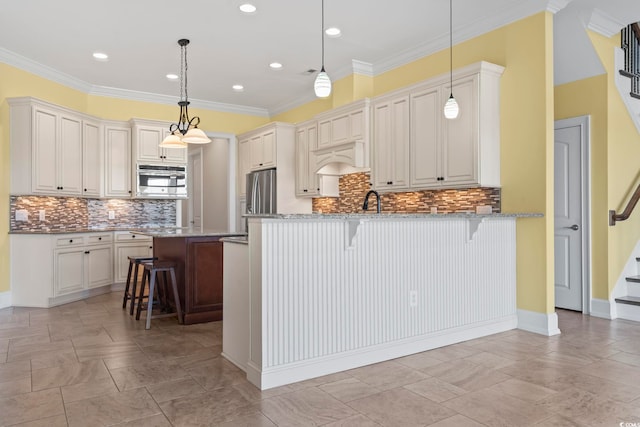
(353, 187)
(71, 213)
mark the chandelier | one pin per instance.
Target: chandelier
(186, 130)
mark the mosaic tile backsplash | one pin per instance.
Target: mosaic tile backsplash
(74, 213)
(353, 187)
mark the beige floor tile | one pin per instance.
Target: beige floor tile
(170, 390)
(570, 403)
(196, 357)
(457, 421)
(466, 375)
(15, 387)
(152, 373)
(4, 345)
(349, 389)
(100, 338)
(52, 359)
(493, 408)
(452, 352)
(3, 358)
(607, 413)
(69, 374)
(627, 358)
(76, 392)
(169, 350)
(355, 421)
(309, 406)
(22, 331)
(31, 339)
(318, 381)
(158, 420)
(602, 387)
(436, 389)
(401, 407)
(614, 371)
(523, 390)
(558, 421)
(128, 359)
(30, 406)
(55, 421)
(39, 351)
(100, 351)
(254, 394)
(253, 420)
(387, 375)
(112, 408)
(537, 372)
(216, 373)
(419, 361)
(489, 360)
(216, 406)
(15, 371)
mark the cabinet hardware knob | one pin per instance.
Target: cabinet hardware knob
(150, 247)
(85, 189)
(70, 240)
(129, 191)
(99, 238)
(87, 252)
(305, 190)
(133, 237)
(318, 189)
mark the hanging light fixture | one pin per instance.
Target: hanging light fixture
(186, 130)
(322, 85)
(451, 108)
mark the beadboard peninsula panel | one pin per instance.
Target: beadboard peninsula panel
(330, 295)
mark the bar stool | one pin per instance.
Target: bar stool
(134, 263)
(151, 274)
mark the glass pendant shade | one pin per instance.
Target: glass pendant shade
(451, 108)
(195, 136)
(173, 141)
(322, 85)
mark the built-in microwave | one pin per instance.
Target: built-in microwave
(162, 181)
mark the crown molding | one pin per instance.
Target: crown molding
(555, 6)
(33, 67)
(361, 67)
(604, 24)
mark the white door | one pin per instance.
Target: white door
(195, 188)
(570, 169)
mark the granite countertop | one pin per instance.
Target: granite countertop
(187, 232)
(78, 230)
(242, 240)
(390, 216)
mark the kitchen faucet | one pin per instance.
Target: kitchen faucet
(365, 205)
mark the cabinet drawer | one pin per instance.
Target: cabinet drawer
(128, 237)
(99, 238)
(70, 241)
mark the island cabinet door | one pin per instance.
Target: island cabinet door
(203, 293)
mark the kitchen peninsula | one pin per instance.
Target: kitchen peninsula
(327, 293)
(198, 255)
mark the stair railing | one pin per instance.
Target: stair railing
(633, 201)
(630, 43)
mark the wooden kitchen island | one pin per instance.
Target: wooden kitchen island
(327, 293)
(198, 255)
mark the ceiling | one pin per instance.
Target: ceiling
(57, 39)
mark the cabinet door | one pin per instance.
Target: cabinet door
(392, 143)
(425, 136)
(302, 162)
(148, 141)
(357, 125)
(45, 135)
(99, 265)
(324, 134)
(203, 268)
(122, 252)
(91, 159)
(269, 149)
(70, 156)
(244, 165)
(313, 180)
(460, 135)
(118, 162)
(381, 145)
(340, 129)
(255, 148)
(69, 273)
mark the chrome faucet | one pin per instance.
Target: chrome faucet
(365, 205)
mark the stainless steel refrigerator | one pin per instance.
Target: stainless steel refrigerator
(261, 192)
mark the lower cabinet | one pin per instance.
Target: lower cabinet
(83, 267)
(126, 245)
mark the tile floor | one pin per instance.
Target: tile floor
(90, 364)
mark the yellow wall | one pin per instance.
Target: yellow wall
(523, 47)
(623, 152)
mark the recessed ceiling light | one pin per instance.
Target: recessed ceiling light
(99, 56)
(247, 8)
(172, 77)
(333, 32)
(238, 88)
(275, 65)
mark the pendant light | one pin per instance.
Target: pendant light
(322, 85)
(451, 108)
(186, 130)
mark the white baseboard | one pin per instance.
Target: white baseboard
(603, 308)
(300, 371)
(5, 299)
(539, 323)
(77, 296)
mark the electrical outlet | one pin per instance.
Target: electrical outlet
(112, 215)
(484, 210)
(413, 298)
(22, 215)
(41, 215)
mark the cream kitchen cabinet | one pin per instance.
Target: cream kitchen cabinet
(391, 142)
(46, 148)
(344, 124)
(117, 153)
(262, 150)
(147, 136)
(244, 165)
(307, 180)
(92, 158)
(72, 266)
(126, 245)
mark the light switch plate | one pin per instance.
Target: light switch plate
(484, 210)
(112, 215)
(41, 215)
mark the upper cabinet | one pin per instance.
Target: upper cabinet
(117, 143)
(147, 136)
(344, 124)
(48, 144)
(307, 182)
(92, 158)
(442, 153)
